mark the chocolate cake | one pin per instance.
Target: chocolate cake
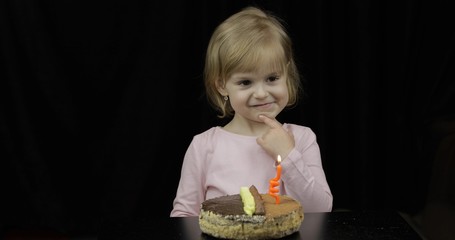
(224, 217)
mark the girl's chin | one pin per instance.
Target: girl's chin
(269, 115)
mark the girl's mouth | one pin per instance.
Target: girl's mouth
(262, 105)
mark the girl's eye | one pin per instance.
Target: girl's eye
(244, 82)
(273, 78)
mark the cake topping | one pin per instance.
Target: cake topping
(233, 205)
(248, 201)
(258, 201)
(226, 205)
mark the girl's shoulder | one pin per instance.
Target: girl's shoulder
(297, 128)
(300, 131)
(208, 135)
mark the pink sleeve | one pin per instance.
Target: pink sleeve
(303, 175)
(190, 191)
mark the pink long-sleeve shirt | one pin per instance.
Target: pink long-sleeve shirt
(218, 163)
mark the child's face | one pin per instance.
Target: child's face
(257, 93)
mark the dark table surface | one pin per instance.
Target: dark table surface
(387, 225)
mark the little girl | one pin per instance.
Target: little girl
(250, 77)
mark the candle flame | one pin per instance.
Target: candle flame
(278, 159)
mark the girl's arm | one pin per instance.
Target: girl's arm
(190, 191)
(303, 176)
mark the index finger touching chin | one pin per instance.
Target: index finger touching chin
(271, 122)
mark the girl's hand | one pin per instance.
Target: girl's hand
(277, 140)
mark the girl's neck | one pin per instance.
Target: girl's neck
(246, 127)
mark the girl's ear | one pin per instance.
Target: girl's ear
(221, 87)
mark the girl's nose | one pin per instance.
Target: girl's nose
(260, 91)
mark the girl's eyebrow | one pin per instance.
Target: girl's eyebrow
(243, 75)
(273, 74)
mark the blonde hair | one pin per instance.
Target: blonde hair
(242, 43)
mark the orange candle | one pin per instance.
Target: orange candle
(275, 182)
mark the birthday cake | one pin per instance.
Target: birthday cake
(250, 215)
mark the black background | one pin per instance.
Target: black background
(100, 99)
